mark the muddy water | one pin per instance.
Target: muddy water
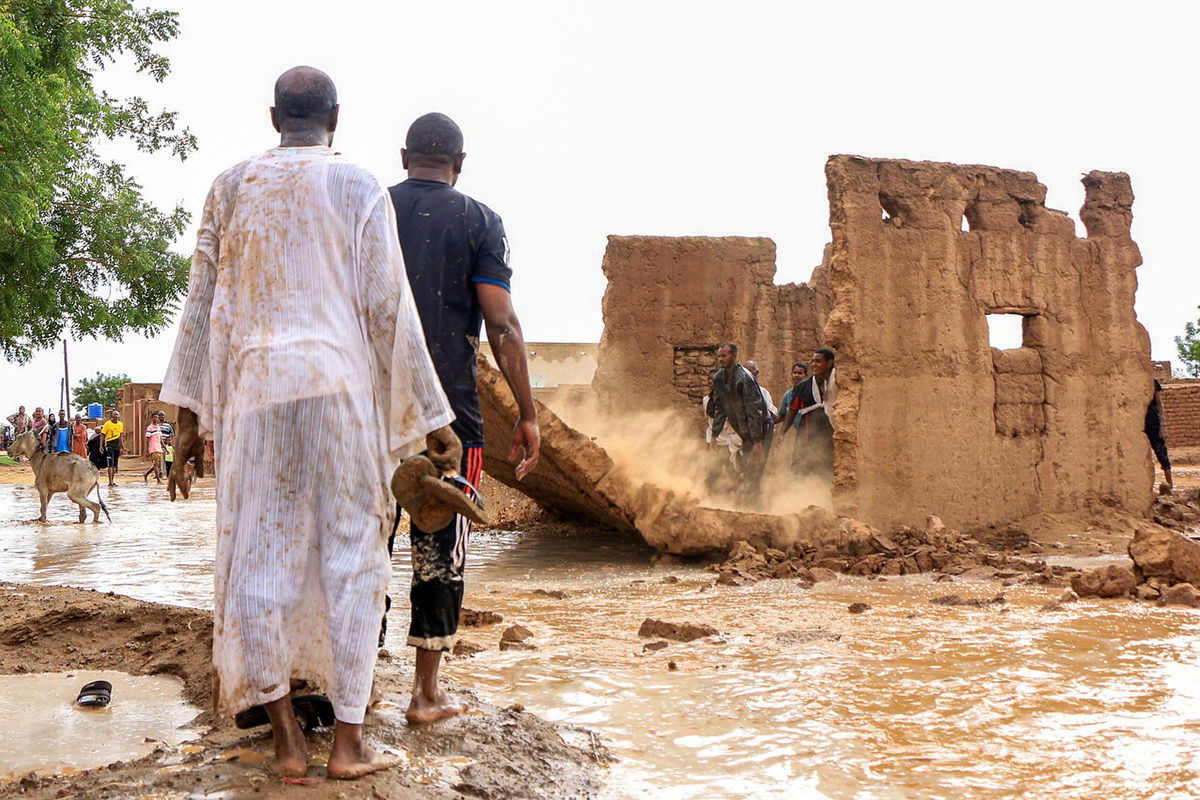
(795, 695)
(43, 730)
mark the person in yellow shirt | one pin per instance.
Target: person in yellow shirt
(111, 431)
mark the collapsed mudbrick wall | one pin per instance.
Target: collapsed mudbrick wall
(671, 300)
(1181, 402)
(930, 417)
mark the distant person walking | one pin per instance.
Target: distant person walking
(79, 437)
(20, 422)
(739, 402)
(812, 402)
(112, 431)
(1156, 431)
(154, 448)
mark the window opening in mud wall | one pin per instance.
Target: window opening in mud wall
(1020, 402)
(694, 363)
(1006, 331)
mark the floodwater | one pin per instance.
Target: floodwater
(42, 730)
(795, 695)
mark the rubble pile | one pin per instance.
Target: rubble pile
(1179, 510)
(852, 547)
(1166, 562)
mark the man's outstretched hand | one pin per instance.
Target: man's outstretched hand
(188, 444)
(526, 444)
(444, 449)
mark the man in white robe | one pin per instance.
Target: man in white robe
(299, 317)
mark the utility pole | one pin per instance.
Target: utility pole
(66, 381)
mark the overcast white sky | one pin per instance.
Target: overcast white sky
(689, 118)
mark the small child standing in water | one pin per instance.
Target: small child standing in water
(168, 454)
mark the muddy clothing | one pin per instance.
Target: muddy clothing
(298, 313)
(451, 242)
(1153, 430)
(739, 401)
(813, 452)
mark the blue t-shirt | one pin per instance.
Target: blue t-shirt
(451, 242)
(64, 440)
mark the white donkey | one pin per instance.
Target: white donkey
(61, 472)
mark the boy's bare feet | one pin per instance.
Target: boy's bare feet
(352, 757)
(422, 710)
(429, 703)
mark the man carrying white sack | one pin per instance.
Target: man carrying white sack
(299, 317)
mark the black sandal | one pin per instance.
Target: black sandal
(312, 711)
(96, 694)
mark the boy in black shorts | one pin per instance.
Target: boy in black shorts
(456, 254)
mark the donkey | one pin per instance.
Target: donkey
(61, 472)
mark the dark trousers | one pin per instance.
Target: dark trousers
(1159, 445)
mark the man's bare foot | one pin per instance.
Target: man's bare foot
(363, 762)
(421, 712)
(351, 757)
(291, 751)
(289, 767)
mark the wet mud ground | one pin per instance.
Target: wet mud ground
(793, 695)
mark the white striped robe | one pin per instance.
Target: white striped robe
(301, 351)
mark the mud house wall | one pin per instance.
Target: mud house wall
(1181, 404)
(929, 416)
(671, 300)
(136, 402)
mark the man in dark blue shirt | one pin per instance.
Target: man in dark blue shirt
(456, 254)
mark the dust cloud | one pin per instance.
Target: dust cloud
(666, 449)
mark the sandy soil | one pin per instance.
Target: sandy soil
(489, 752)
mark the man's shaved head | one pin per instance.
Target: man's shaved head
(434, 137)
(304, 96)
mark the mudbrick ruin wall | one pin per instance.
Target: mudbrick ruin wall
(930, 417)
(671, 300)
(1181, 402)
